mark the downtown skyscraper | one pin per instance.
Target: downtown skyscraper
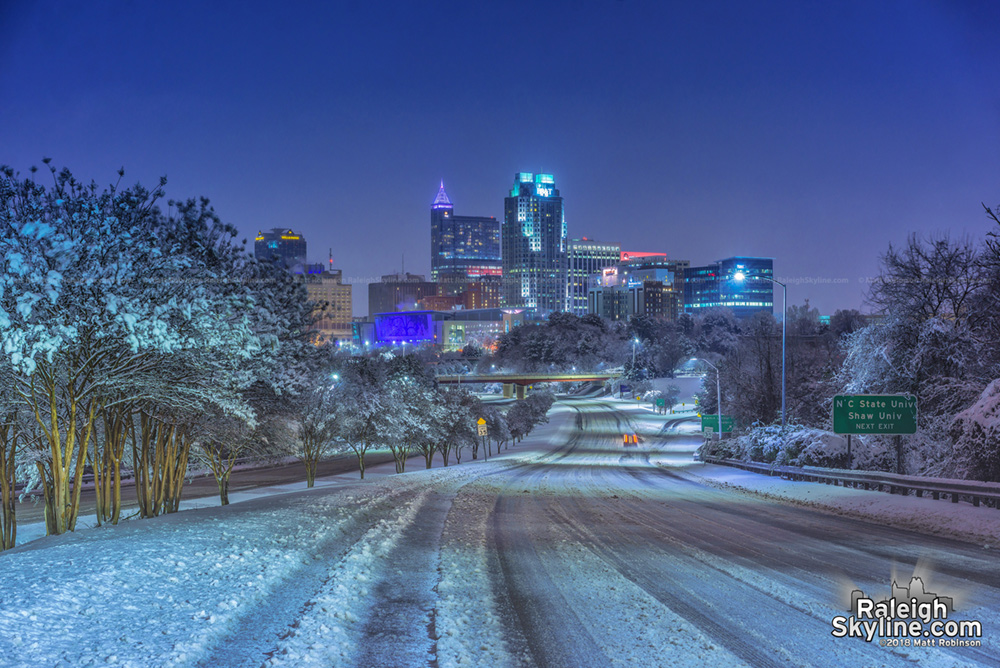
(463, 248)
(534, 245)
(586, 258)
(283, 246)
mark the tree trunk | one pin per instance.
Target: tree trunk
(117, 499)
(73, 509)
(361, 462)
(8, 484)
(310, 473)
(107, 462)
(224, 488)
(48, 496)
(428, 456)
(181, 450)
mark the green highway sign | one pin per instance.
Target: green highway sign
(711, 423)
(886, 414)
(661, 403)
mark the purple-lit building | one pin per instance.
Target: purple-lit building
(463, 248)
(448, 330)
(414, 327)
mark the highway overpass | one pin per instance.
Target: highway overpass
(517, 382)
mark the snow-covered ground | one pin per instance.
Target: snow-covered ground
(565, 550)
(955, 520)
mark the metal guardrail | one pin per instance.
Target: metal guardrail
(976, 492)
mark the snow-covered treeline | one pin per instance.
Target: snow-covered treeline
(935, 334)
(130, 335)
(392, 402)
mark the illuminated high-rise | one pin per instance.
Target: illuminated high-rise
(283, 246)
(463, 248)
(534, 245)
(713, 286)
(585, 258)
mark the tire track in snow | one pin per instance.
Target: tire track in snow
(400, 629)
(673, 586)
(246, 639)
(616, 540)
(329, 631)
(555, 634)
(468, 618)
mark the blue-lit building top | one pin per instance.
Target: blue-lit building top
(534, 244)
(715, 286)
(283, 246)
(463, 248)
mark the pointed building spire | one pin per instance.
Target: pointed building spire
(442, 201)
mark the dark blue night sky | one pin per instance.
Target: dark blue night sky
(813, 133)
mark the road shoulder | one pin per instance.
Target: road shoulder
(961, 521)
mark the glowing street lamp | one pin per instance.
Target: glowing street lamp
(718, 390)
(739, 277)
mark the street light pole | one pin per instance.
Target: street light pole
(740, 276)
(718, 390)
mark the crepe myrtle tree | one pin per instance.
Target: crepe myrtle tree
(75, 316)
(367, 410)
(427, 440)
(497, 430)
(100, 293)
(316, 423)
(519, 420)
(407, 425)
(457, 425)
(244, 327)
(408, 390)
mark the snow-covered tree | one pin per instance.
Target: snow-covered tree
(456, 426)
(519, 420)
(976, 435)
(107, 308)
(428, 439)
(365, 407)
(317, 420)
(75, 314)
(497, 431)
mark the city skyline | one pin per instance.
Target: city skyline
(813, 135)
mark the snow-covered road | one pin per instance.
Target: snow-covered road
(565, 551)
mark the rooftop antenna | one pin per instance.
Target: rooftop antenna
(402, 263)
(331, 258)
